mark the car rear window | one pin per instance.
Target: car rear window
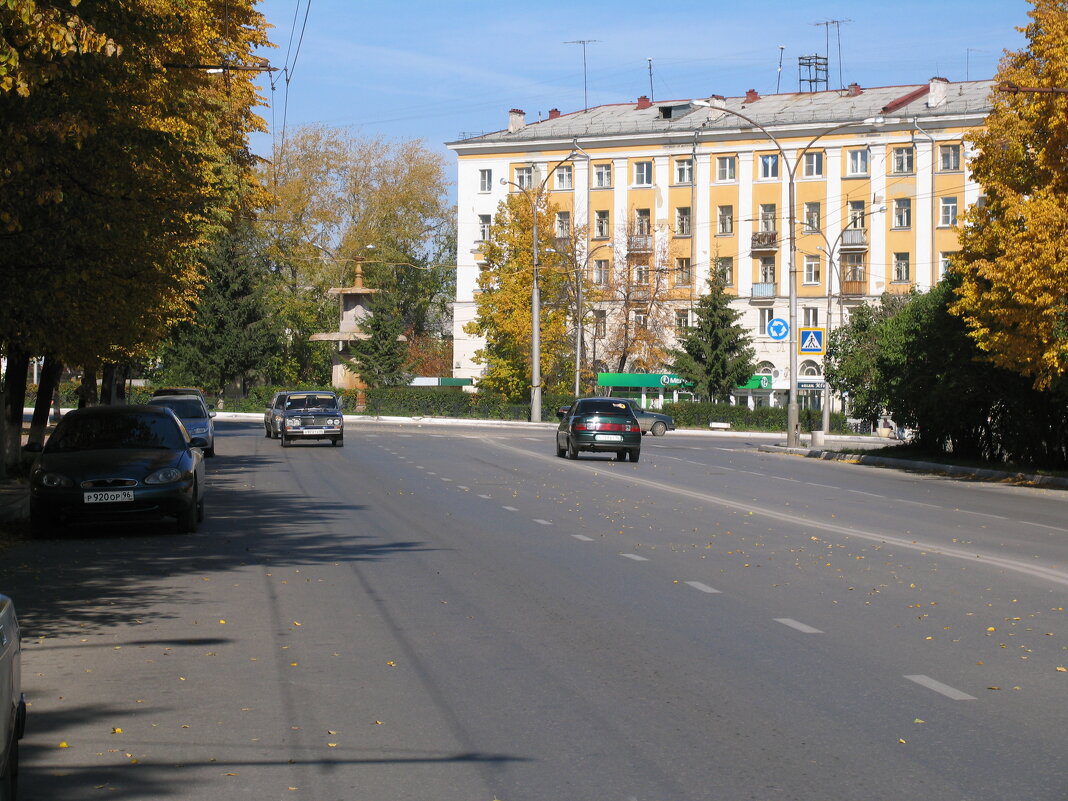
(114, 431)
(186, 408)
(607, 406)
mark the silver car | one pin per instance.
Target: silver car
(194, 414)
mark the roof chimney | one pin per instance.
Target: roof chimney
(854, 90)
(517, 120)
(752, 96)
(554, 113)
(644, 102)
(937, 95)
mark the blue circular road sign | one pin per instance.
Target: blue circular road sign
(778, 329)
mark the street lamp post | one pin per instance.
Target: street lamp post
(792, 432)
(535, 296)
(832, 251)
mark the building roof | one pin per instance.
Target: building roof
(937, 100)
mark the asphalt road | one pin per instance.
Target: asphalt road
(456, 614)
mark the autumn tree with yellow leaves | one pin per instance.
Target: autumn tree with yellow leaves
(123, 158)
(1014, 260)
(503, 304)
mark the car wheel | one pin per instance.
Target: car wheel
(337, 442)
(266, 431)
(285, 440)
(560, 452)
(209, 452)
(572, 451)
(634, 454)
(187, 518)
(621, 456)
(659, 428)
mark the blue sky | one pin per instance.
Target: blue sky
(431, 70)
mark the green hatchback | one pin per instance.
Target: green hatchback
(598, 424)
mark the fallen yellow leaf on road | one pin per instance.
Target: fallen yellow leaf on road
(116, 730)
(64, 744)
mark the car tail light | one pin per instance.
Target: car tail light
(581, 427)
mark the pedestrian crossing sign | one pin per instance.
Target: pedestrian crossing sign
(810, 341)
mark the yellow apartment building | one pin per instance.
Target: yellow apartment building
(672, 191)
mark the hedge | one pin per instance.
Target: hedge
(762, 418)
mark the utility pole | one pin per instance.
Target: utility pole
(650, 78)
(585, 94)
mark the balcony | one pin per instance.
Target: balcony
(765, 289)
(765, 240)
(642, 243)
(854, 239)
(855, 288)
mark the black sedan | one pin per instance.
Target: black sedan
(598, 424)
(116, 463)
(310, 415)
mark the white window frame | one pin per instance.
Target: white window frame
(853, 267)
(768, 273)
(949, 158)
(563, 224)
(600, 272)
(811, 317)
(600, 323)
(683, 271)
(944, 260)
(947, 212)
(726, 169)
(812, 217)
(684, 171)
(683, 220)
(904, 160)
(485, 180)
(602, 224)
(643, 222)
(602, 176)
(565, 177)
(682, 319)
(769, 218)
(859, 161)
(641, 275)
(812, 270)
(524, 177)
(857, 215)
(485, 227)
(643, 173)
(641, 321)
(813, 167)
(769, 166)
(767, 314)
(724, 220)
(902, 268)
(902, 212)
(725, 269)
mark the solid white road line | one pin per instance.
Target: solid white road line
(803, 628)
(939, 687)
(697, 585)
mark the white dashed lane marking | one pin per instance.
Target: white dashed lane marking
(510, 508)
(697, 585)
(794, 624)
(486, 497)
(939, 687)
(582, 537)
(634, 556)
(541, 522)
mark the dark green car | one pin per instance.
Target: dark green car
(598, 424)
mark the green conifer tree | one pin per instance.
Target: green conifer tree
(716, 353)
(381, 360)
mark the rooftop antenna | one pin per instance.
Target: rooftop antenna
(584, 42)
(837, 23)
(778, 77)
(650, 77)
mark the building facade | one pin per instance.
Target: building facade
(668, 193)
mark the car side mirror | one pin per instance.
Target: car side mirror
(32, 447)
(561, 413)
(198, 442)
(212, 414)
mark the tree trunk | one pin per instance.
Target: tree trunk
(53, 368)
(107, 383)
(18, 362)
(87, 392)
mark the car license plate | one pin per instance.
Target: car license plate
(109, 496)
(609, 437)
(313, 431)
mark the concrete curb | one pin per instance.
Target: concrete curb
(1054, 482)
